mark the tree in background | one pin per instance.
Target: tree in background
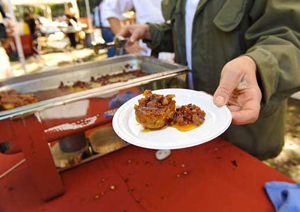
(59, 9)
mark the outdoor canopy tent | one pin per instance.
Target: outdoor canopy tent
(39, 3)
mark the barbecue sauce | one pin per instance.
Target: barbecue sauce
(185, 128)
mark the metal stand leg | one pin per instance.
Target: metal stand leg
(38, 158)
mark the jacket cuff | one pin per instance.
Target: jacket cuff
(267, 66)
(267, 76)
(154, 31)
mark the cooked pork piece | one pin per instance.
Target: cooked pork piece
(12, 99)
(154, 111)
(187, 115)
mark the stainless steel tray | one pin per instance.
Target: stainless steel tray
(34, 129)
(158, 69)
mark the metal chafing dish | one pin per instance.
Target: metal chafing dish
(33, 128)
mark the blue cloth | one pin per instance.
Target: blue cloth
(121, 99)
(284, 196)
(109, 36)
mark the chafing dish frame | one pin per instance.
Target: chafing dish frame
(35, 147)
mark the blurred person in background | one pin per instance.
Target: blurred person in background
(29, 19)
(146, 11)
(72, 27)
(6, 32)
(101, 22)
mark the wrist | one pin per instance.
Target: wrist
(147, 35)
(250, 63)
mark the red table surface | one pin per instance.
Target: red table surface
(211, 177)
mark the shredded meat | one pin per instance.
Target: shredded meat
(124, 76)
(81, 84)
(188, 114)
(63, 87)
(154, 111)
(103, 80)
(11, 99)
(140, 73)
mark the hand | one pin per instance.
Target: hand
(239, 89)
(134, 48)
(135, 32)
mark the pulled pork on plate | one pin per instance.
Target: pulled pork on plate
(155, 111)
(188, 117)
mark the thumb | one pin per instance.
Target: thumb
(134, 37)
(137, 34)
(228, 82)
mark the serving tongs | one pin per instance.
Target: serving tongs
(118, 42)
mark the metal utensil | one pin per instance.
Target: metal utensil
(118, 42)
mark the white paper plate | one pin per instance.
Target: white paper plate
(217, 120)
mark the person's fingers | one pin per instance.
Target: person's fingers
(134, 32)
(248, 113)
(244, 116)
(229, 81)
(136, 35)
(132, 50)
(234, 108)
(124, 32)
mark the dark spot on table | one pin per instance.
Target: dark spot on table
(147, 162)
(234, 162)
(130, 190)
(172, 163)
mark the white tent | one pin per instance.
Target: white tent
(40, 3)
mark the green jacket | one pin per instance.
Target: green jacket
(266, 30)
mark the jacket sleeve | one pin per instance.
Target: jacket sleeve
(162, 37)
(274, 44)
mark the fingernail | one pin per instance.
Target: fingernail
(220, 101)
(131, 40)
